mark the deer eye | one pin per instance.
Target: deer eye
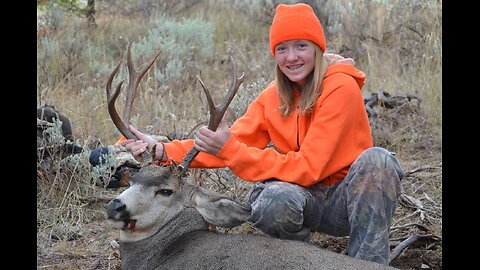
(164, 192)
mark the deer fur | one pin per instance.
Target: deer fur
(163, 223)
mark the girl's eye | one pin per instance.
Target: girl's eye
(164, 192)
(280, 49)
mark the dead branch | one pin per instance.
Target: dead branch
(95, 199)
(419, 226)
(423, 168)
(410, 202)
(384, 99)
(402, 246)
(414, 203)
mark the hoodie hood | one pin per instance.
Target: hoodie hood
(358, 75)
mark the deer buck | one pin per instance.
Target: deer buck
(163, 219)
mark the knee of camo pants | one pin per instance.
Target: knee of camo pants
(277, 209)
(382, 158)
(378, 170)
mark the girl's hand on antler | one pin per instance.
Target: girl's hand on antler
(137, 147)
(212, 142)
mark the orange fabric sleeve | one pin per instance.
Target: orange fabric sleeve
(121, 140)
(177, 149)
(256, 135)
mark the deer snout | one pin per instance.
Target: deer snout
(115, 209)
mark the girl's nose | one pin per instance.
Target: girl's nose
(291, 55)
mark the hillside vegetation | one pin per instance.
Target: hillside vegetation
(397, 43)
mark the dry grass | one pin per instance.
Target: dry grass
(397, 46)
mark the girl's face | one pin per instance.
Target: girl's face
(296, 59)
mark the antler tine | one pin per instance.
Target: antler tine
(133, 82)
(111, 105)
(216, 112)
(232, 91)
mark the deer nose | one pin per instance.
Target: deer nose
(114, 207)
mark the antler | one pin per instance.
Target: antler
(134, 79)
(216, 113)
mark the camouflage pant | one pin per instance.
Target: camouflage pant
(360, 206)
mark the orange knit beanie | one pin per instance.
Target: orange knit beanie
(296, 22)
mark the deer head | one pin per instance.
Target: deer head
(158, 193)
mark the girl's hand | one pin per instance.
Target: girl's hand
(137, 147)
(212, 142)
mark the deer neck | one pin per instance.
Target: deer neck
(155, 249)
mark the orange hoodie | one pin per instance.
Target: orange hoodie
(314, 147)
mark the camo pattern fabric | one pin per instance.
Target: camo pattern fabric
(360, 206)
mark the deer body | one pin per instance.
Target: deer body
(185, 243)
(163, 223)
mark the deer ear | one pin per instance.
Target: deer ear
(219, 210)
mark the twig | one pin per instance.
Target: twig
(409, 216)
(414, 203)
(423, 168)
(409, 241)
(420, 226)
(403, 245)
(91, 200)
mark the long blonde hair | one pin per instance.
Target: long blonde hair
(310, 92)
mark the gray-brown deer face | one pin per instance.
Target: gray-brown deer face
(156, 195)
